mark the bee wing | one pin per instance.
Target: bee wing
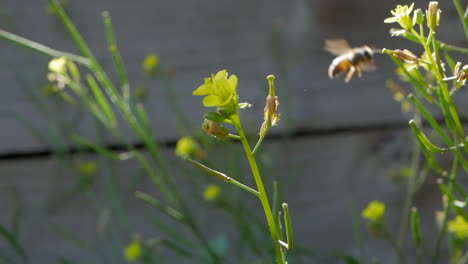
(368, 67)
(337, 46)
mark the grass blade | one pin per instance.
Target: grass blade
(11, 239)
(114, 51)
(20, 41)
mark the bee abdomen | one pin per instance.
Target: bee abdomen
(338, 66)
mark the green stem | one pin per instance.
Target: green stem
(260, 139)
(261, 189)
(393, 242)
(288, 226)
(220, 175)
(416, 159)
(145, 136)
(443, 228)
(448, 108)
(449, 47)
(233, 136)
(42, 48)
(114, 51)
(463, 19)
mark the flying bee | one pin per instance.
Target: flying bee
(349, 60)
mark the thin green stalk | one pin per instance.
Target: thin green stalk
(288, 226)
(462, 16)
(114, 51)
(20, 41)
(221, 176)
(447, 106)
(260, 140)
(172, 212)
(233, 136)
(415, 161)
(133, 122)
(435, 125)
(393, 242)
(261, 189)
(449, 47)
(420, 87)
(448, 206)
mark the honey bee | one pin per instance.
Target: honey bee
(349, 60)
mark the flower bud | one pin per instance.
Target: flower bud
(462, 75)
(405, 55)
(418, 16)
(151, 65)
(214, 129)
(433, 15)
(211, 192)
(271, 115)
(58, 65)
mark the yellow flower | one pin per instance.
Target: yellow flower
(187, 146)
(374, 211)
(87, 168)
(220, 91)
(58, 65)
(150, 64)
(458, 227)
(401, 14)
(133, 251)
(184, 146)
(211, 192)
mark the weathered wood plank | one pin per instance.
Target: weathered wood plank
(198, 38)
(323, 179)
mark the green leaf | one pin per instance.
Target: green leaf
(168, 210)
(415, 223)
(424, 140)
(215, 117)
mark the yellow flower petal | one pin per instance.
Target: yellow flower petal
(202, 90)
(233, 82)
(220, 75)
(374, 211)
(210, 101)
(211, 192)
(133, 251)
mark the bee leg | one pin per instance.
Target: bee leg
(350, 73)
(359, 71)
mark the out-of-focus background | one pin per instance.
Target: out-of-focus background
(337, 146)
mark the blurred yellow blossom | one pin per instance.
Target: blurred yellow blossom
(87, 168)
(151, 64)
(212, 192)
(133, 251)
(58, 65)
(187, 146)
(374, 211)
(458, 227)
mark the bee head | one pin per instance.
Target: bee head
(368, 53)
